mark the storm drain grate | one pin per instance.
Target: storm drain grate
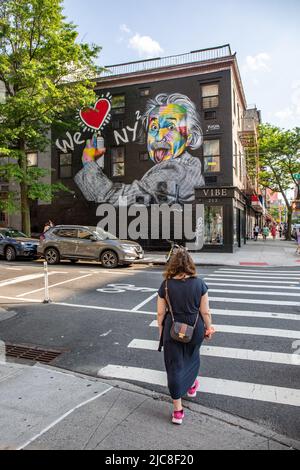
(31, 353)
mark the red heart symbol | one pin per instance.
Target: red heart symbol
(95, 117)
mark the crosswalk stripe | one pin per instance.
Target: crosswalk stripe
(229, 353)
(235, 300)
(250, 271)
(252, 276)
(232, 291)
(254, 314)
(250, 285)
(214, 277)
(246, 390)
(250, 330)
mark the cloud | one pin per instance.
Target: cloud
(124, 28)
(293, 110)
(258, 62)
(145, 46)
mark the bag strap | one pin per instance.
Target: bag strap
(170, 306)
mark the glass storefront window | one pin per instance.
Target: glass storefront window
(213, 220)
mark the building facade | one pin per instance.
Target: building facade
(149, 101)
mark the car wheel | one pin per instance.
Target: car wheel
(52, 256)
(109, 259)
(10, 254)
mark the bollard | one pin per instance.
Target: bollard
(47, 298)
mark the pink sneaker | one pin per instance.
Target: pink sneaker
(192, 392)
(177, 417)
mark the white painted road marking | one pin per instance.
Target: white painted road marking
(249, 330)
(258, 271)
(135, 309)
(218, 277)
(254, 292)
(230, 353)
(250, 285)
(53, 285)
(246, 390)
(252, 276)
(27, 277)
(254, 301)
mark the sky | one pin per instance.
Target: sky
(265, 35)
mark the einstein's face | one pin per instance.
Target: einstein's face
(167, 132)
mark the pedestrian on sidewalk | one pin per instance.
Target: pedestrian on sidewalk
(265, 232)
(273, 231)
(183, 296)
(298, 240)
(256, 232)
(280, 231)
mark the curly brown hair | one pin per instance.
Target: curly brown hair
(181, 262)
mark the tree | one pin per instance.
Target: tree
(46, 74)
(279, 154)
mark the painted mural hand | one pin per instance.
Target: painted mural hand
(91, 153)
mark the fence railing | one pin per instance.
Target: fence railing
(160, 62)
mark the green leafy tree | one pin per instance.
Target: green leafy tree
(45, 74)
(279, 162)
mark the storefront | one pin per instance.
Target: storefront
(224, 218)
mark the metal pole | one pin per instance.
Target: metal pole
(47, 298)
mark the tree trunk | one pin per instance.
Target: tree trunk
(289, 222)
(25, 208)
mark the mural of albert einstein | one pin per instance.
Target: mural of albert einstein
(172, 126)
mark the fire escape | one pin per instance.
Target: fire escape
(249, 139)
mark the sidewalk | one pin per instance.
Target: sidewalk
(269, 253)
(47, 408)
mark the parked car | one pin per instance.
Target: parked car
(15, 244)
(74, 243)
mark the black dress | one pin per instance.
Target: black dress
(182, 360)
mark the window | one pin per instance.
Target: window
(144, 156)
(118, 104)
(210, 96)
(211, 153)
(145, 92)
(238, 113)
(32, 159)
(2, 218)
(241, 165)
(211, 179)
(236, 163)
(65, 165)
(118, 124)
(84, 234)
(210, 115)
(234, 102)
(118, 161)
(66, 233)
(213, 225)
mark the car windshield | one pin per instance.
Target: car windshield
(13, 234)
(103, 235)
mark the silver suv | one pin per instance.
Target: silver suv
(75, 242)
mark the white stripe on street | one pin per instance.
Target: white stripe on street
(14, 269)
(254, 301)
(80, 405)
(27, 277)
(255, 292)
(135, 309)
(241, 313)
(262, 273)
(231, 279)
(252, 313)
(54, 285)
(251, 285)
(252, 276)
(229, 353)
(249, 330)
(246, 390)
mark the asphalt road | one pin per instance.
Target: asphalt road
(104, 324)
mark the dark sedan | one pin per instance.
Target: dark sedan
(14, 243)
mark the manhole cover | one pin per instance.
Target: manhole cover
(31, 353)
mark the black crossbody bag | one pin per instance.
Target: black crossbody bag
(179, 331)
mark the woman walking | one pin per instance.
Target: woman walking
(273, 231)
(265, 232)
(183, 296)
